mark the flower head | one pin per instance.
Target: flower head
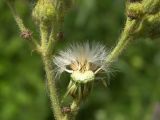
(81, 58)
(82, 61)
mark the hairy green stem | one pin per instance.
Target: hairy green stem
(125, 37)
(44, 37)
(16, 16)
(52, 88)
(47, 60)
(123, 41)
(21, 25)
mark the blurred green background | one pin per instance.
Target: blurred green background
(133, 92)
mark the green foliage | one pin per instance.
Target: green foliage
(132, 92)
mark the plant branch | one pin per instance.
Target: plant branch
(123, 41)
(47, 60)
(44, 37)
(74, 110)
(135, 24)
(25, 32)
(52, 88)
(125, 37)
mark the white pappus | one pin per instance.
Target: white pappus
(82, 60)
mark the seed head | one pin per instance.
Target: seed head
(81, 58)
(82, 61)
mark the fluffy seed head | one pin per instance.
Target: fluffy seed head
(81, 58)
(82, 61)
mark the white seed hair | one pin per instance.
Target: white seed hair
(94, 53)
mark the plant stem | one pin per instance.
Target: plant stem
(126, 36)
(16, 16)
(44, 37)
(52, 87)
(21, 25)
(74, 110)
(47, 60)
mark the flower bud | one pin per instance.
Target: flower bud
(154, 22)
(135, 10)
(150, 26)
(44, 11)
(151, 6)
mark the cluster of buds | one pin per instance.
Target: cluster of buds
(151, 6)
(81, 61)
(44, 11)
(135, 9)
(147, 12)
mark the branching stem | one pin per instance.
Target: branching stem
(126, 36)
(123, 41)
(21, 25)
(49, 37)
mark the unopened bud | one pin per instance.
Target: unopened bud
(151, 6)
(135, 10)
(44, 11)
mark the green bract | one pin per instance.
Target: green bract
(84, 77)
